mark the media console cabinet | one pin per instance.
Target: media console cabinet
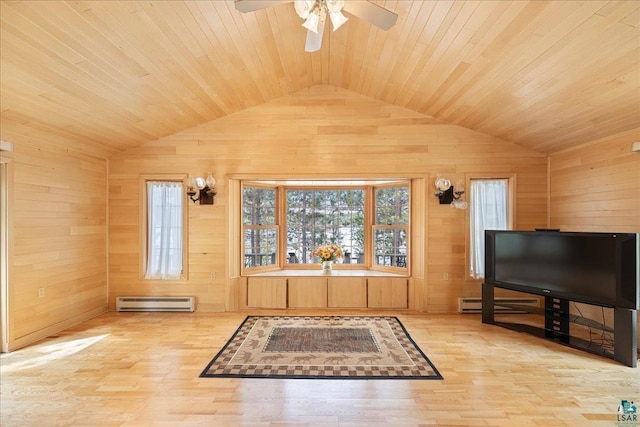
(557, 322)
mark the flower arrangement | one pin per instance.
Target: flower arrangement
(328, 252)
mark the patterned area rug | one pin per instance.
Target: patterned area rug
(334, 347)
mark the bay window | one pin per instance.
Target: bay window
(284, 222)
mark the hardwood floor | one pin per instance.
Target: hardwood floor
(141, 369)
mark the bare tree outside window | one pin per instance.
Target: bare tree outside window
(318, 216)
(313, 216)
(260, 228)
(391, 226)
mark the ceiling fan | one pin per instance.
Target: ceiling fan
(315, 12)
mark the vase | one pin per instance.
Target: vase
(327, 267)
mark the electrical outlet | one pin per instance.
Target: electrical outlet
(40, 292)
(446, 276)
(213, 276)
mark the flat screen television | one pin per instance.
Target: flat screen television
(594, 268)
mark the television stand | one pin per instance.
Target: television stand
(557, 322)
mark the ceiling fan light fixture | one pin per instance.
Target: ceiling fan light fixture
(333, 5)
(337, 19)
(304, 7)
(312, 22)
(314, 14)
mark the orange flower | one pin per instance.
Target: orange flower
(328, 252)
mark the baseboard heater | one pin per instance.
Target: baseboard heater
(501, 305)
(155, 304)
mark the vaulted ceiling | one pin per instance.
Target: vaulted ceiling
(110, 75)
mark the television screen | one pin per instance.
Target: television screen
(598, 268)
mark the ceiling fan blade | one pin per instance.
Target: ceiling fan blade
(371, 12)
(245, 6)
(314, 40)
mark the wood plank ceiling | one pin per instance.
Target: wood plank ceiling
(110, 75)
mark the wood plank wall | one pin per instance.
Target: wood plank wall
(326, 132)
(596, 187)
(59, 209)
(58, 241)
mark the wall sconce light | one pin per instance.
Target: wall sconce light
(203, 187)
(448, 195)
(635, 147)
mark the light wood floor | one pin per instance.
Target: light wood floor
(141, 369)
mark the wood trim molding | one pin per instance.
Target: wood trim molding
(512, 186)
(6, 250)
(142, 225)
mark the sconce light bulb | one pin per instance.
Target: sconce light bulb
(443, 184)
(200, 182)
(211, 182)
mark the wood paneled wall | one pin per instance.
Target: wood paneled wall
(322, 131)
(58, 239)
(596, 187)
(59, 209)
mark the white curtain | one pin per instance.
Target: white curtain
(164, 233)
(488, 211)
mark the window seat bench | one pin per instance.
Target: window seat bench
(340, 289)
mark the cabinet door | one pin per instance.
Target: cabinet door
(264, 292)
(347, 292)
(387, 292)
(307, 292)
